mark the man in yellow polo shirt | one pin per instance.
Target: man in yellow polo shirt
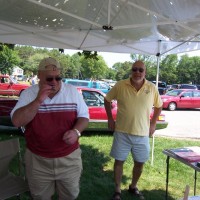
(135, 98)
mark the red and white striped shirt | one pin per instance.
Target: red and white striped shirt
(55, 116)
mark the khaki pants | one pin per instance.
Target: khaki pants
(47, 175)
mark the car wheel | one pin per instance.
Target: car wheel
(172, 106)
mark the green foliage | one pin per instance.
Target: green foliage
(93, 69)
(173, 69)
(89, 54)
(8, 59)
(111, 74)
(168, 69)
(123, 70)
(10, 46)
(189, 70)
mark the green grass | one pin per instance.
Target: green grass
(97, 178)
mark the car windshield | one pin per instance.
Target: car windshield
(173, 93)
(93, 98)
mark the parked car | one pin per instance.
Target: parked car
(188, 86)
(162, 87)
(99, 85)
(10, 86)
(95, 102)
(181, 98)
(173, 86)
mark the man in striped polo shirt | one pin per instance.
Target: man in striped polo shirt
(54, 114)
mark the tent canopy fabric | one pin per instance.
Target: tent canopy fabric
(151, 27)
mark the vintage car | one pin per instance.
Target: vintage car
(10, 87)
(95, 102)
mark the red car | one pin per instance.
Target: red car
(181, 98)
(95, 102)
(10, 87)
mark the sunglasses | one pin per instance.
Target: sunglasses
(50, 79)
(135, 69)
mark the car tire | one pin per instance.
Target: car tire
(172, 106)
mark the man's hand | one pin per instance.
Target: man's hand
(44, 91)
(152, 129)
(70, 137)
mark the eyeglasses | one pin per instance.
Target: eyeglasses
(135, 69)
(50, 79)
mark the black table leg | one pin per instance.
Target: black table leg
(167, 177)
(195, 182)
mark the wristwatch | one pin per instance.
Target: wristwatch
(77, 132)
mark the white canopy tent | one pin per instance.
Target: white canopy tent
(151, 27)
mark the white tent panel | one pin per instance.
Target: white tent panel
(133, 26)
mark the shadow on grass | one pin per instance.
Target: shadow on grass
(97, 180)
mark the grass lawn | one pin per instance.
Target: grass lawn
(97, 178)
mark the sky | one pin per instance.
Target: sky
(112, 58)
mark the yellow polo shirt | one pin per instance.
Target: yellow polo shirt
(134, 107)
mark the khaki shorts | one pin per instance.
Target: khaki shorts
(47, 175)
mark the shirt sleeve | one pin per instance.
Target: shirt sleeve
(112, 94)
(22, 101)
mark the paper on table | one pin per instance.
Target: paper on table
(190, 154)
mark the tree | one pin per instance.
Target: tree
(195, 67)
(74, 67)
(111, 74)
(168, 69)
(93, 68)
(8, 59)
(188, 69)
(123, 70)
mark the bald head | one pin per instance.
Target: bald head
(139, 63)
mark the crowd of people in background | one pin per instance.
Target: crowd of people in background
(32, 79)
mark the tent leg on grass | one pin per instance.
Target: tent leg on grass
(152, 151)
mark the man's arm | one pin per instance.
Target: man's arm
(107, 106)
(22, 116)
(156, 114)
(81, 124)
(111, 122)
(71, 136)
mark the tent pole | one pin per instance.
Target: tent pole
(157, 78)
